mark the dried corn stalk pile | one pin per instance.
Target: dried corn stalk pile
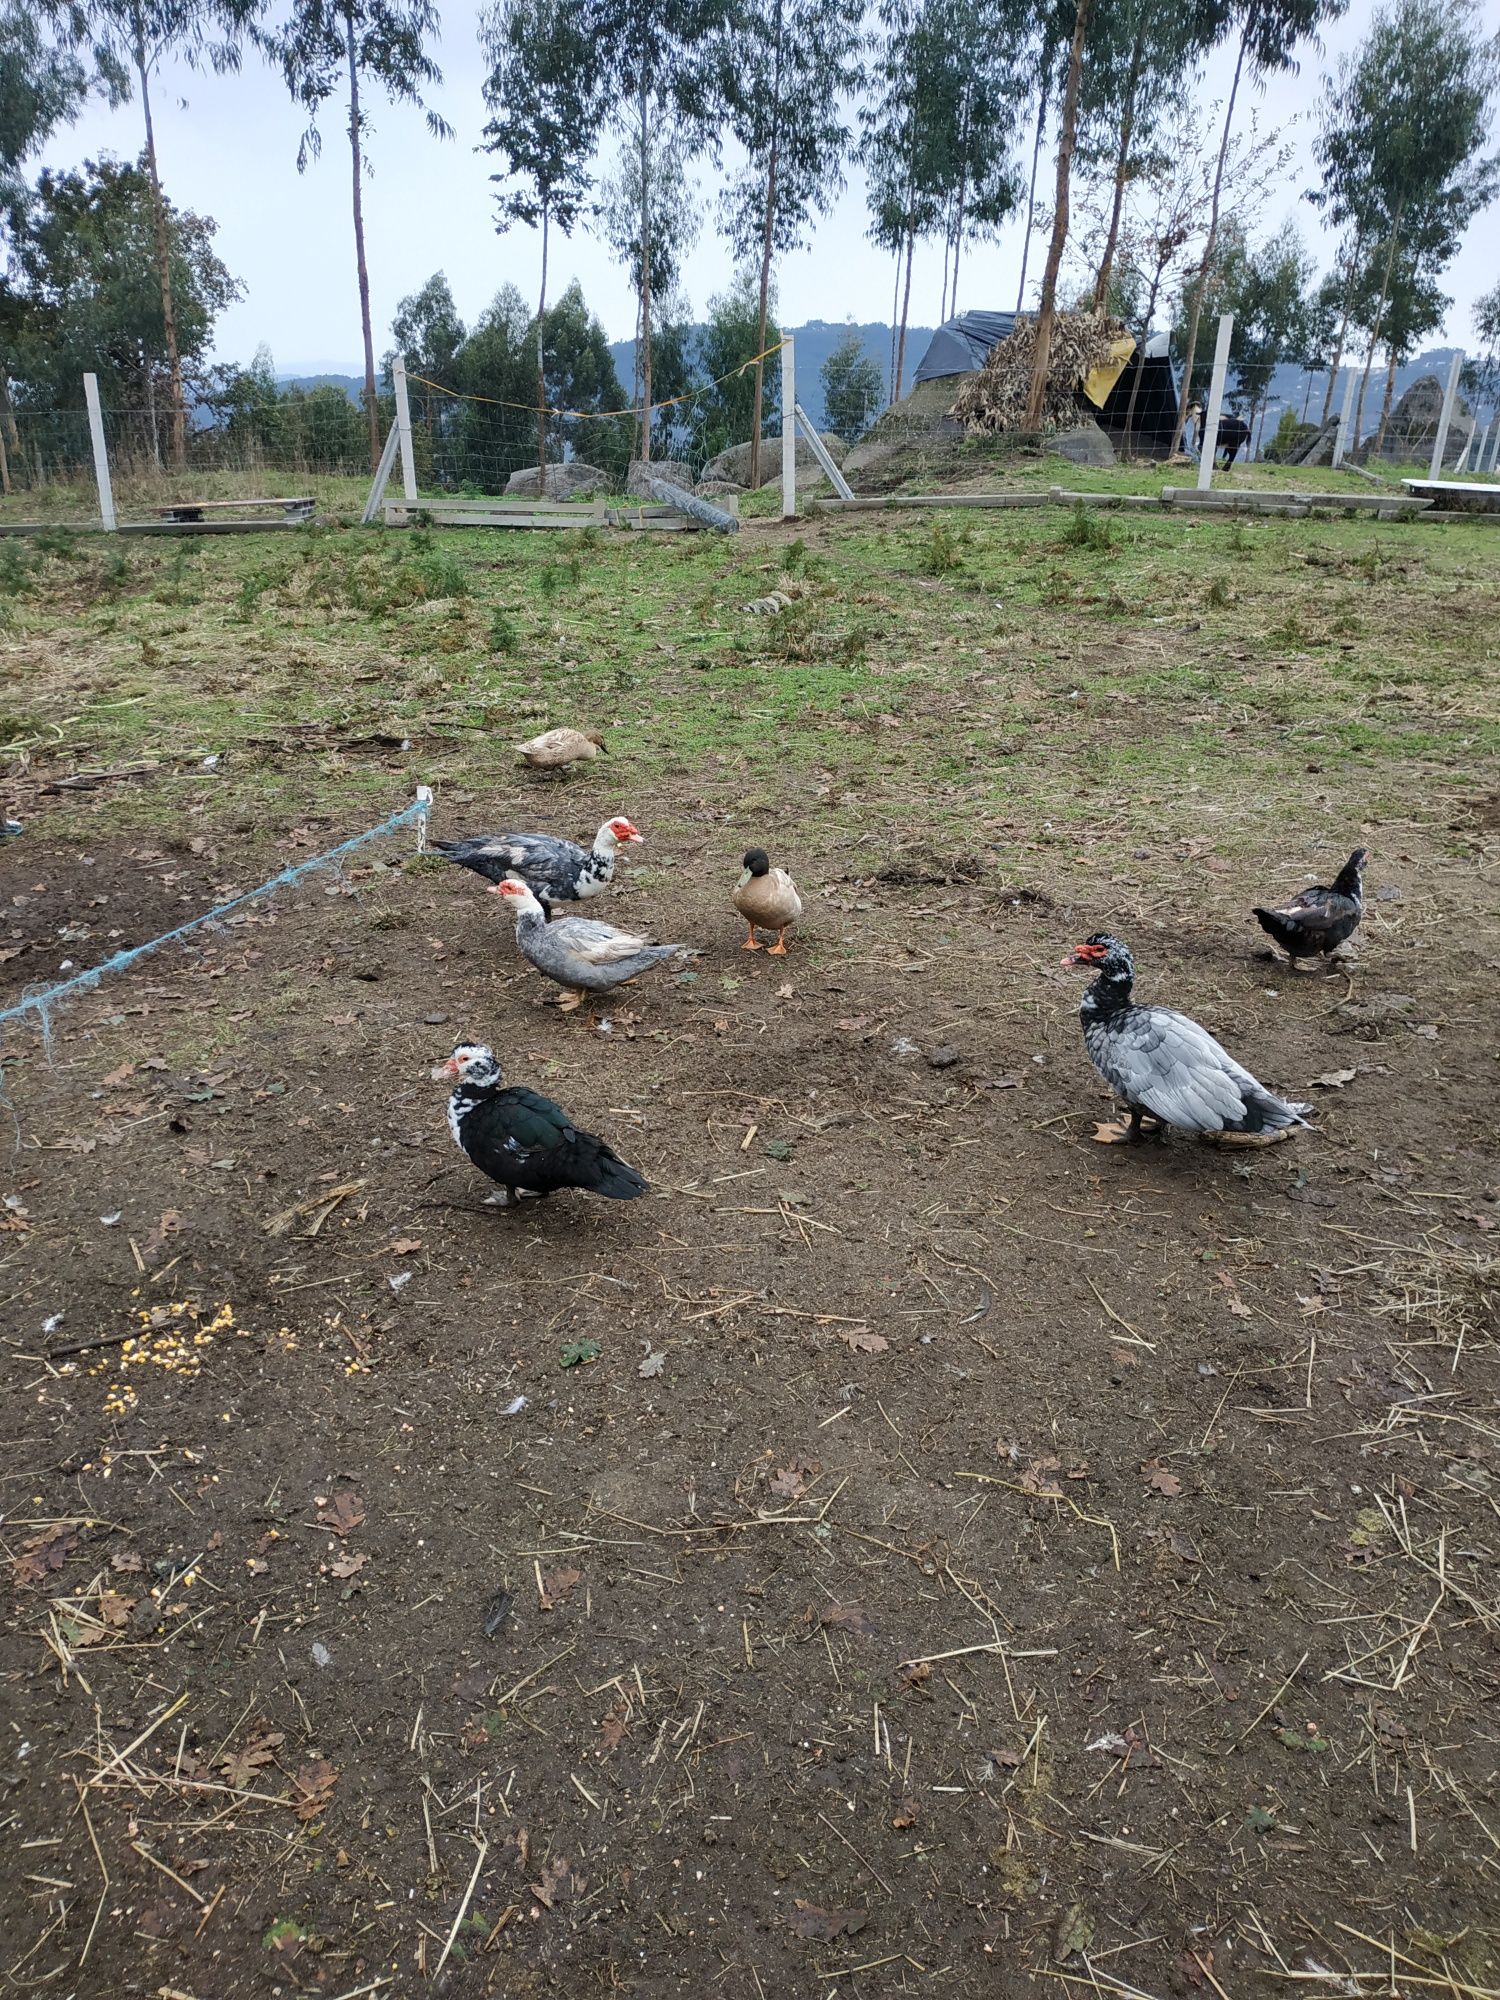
(996, 398)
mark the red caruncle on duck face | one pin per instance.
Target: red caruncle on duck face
(625, 833)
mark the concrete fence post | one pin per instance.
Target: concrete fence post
(1208, 445)
(101, 453)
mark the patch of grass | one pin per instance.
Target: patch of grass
(943, 550)
(1090, 528)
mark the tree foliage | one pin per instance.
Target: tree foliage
(853, 388)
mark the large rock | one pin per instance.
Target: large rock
(573, 481)
(734, 464)
(1085, 444)
(642, 471)
(717, 489)
(809, 475)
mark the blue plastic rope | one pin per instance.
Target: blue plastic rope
(41, 1004)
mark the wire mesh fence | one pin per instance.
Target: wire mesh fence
(315, 445)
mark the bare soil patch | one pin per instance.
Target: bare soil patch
(935, 1553)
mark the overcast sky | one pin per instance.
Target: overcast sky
(228, 148)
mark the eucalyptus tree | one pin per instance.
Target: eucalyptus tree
(42, 86)
(328, 47)
(542, 89)
(1401, 146)
(129, 41)
(902, 149)
(1138, 56)
(1067, 141)
(1267, 34)
(784, 71)
(657, 62)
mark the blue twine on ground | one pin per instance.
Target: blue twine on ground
(41, 1004)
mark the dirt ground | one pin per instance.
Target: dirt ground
(935, 1552)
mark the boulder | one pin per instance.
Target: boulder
(675, 471)
(573, 481)
(1085, 444)
(734, 464)
(811, 474)
(717, 489)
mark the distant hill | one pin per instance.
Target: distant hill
(816, 340)
(353, 386)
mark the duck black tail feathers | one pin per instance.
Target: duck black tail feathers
(613, 1179)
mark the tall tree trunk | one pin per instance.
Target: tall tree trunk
(10, 440)
(1385, 407)
(645, 111)
(895, 315)
(947, 259)
(541, 373)
(768, 237)
(1036, 155)
(163, 266)
(1191, 355)
(961, 201)
(1359, 401)
(356, 152)
(911, 238)
(1343, 332)
(1122, 168)
(1379, 322)
(1067, 139)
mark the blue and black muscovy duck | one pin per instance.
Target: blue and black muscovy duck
(524, 1142)
(1315, 922)
(1161, 1062)
(555, 870)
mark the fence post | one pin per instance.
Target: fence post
(1495, 447)
(1341, 436)
(788, 429)
(403, 426)
(101, 453)
(1434, 471)
(1208, 444)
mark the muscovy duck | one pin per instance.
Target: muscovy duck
(556, 747)
(555, 870)
(1315, 922)
(525, 1143)
(580, 953)
(767, 899)
(1160, 1061)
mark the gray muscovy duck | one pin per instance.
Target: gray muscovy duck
(555, 870)
(580, 953)
(524, 1142)
(1161, 1062)
(1315, 922)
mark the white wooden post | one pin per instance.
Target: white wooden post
(1346, 415)
(1434, 471)
(403, 426)
(1208, 444)
(101, 452)
(1495, 447)
(788, 429)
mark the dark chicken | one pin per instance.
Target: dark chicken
(524, 1142)
(1161, 1062)
(1315, 922)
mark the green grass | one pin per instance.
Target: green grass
(1030, 668)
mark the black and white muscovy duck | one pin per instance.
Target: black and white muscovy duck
(555, 870)
(1315, 922)
(1161, 1062)
(525, 1143)
(580, 953)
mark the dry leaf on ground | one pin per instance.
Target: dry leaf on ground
(858, 1341)
(343, 1513)
(559, 1586)
(809, 1921)
(1160, 1480)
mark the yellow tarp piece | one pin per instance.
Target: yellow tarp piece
(1099, 381)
